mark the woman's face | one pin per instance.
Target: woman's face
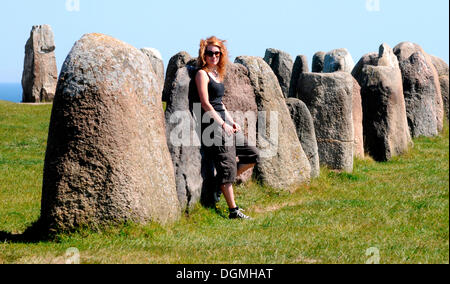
(212, 55)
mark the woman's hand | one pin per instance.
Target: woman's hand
(237, 127)
(228, 129)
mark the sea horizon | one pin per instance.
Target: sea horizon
(11, 92)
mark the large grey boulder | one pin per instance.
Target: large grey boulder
(421, 87)
(357, 114)
(40, 73)
(444, 82)
(442, 70)
(440, 65)
(107, 159)
(183, 137)
(300, 67)
(240, 102)
(385, 57)
(386, 132)
(281, 64)
(176, 62)
(367, 59)
(283, 163)
(318, 62)
(306, 133)
(239, 94)
(329, 97)
(157, 63)
(338, 60)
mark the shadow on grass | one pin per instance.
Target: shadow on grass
(34, 234)
(40, 231)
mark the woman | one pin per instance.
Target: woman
(212, 62)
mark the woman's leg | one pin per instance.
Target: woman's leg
(235, 212)
(228, 192)
(227, 189)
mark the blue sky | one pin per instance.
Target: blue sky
(249, 26)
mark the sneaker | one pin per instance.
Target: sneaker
(239, 215)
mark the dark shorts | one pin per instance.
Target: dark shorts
(228, 156)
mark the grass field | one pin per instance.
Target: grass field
(399, 208)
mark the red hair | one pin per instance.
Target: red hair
(222, 65)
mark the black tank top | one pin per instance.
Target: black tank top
(216, 91)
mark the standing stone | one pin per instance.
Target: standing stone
(107, 159)
(442, 70)
(281, 64)
(40, 73)
(182, 122)
(440, 65)
(304, 124)
(357, 114)
(157, 63)
(283, 163)
(240, 102)
(444, 82)
(318, 61)
(193, 174)
(177, 62)
(338, 60)
(300, 67)
(367, 59)
(329, 97)
(386, 132)
(239, 93)
(422, 90)
(419, 96)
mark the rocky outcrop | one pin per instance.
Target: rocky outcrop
(300, 67)
(304, 125)
(157, 64)
(40, 73)
(421, 87)
(281, 64)
(283, 163)
(107, 159)
(318, 62)
(338, 60)
(386, 132)
(329, 97)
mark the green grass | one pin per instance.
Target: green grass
(400, 207)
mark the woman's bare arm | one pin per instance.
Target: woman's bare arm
(228, 115)
(202, 82)
(236, 127)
